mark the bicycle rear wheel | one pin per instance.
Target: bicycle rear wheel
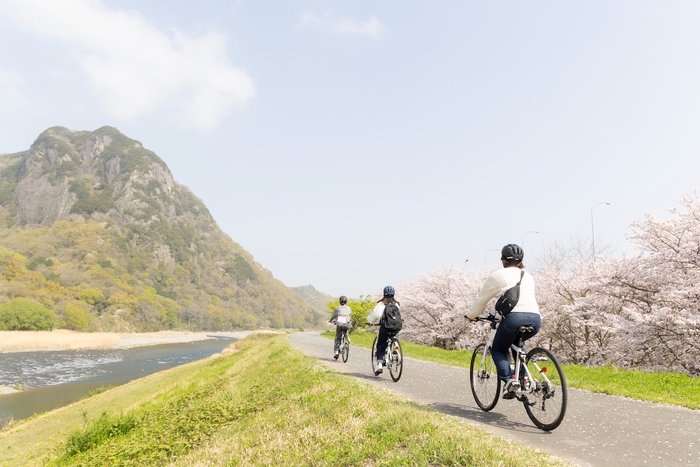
(483, 378)
(345, 351)
(395, 358)
(547, 397)
(373, 357)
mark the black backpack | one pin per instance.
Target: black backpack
(510, 298)
(392, 318)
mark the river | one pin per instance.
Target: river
(58, 378)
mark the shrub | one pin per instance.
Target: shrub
(25, 315)
(77, 318)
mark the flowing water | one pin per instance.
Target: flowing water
(59, 378)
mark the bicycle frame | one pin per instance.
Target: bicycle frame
(534, 387)
(521, 357)
(393, 358)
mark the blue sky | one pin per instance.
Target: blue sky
(351, 145)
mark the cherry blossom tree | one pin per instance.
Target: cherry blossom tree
(641, 311)
(433, 307)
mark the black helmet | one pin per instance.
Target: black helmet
(389, 291)
(343, 299)
(512, 251)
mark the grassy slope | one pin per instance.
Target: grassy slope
(28, 442)
(265, 404)
(667, 388)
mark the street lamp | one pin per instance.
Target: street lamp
(592, 230)
(465, 264)
(522, 239)
(492, 249)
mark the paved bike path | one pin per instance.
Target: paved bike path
(598, 430)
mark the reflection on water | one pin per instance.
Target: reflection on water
(60, 378)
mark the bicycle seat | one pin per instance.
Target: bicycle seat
(525, 330)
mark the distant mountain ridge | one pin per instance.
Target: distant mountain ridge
(96, 211)
(317, 300)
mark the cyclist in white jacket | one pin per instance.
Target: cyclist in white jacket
(525, 313)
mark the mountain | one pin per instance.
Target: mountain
(317, 300)
(93, 226)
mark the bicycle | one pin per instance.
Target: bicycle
(344, 349)
(393, 357)
(542, 391)
(344, 345)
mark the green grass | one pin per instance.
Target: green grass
(226, 411)
(666, 388)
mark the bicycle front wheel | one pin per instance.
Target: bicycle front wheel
(547, 394)
(483, 378)
(395, 358)
(345, 351)
(373, 357)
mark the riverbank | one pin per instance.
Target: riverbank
(62, 339)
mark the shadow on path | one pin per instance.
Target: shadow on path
(491, 418)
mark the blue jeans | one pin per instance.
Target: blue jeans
(381, 343)
(506, 335)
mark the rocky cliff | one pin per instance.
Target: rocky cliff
(162, 259)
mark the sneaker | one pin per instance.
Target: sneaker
(336, 355)
(379, 370)
(510, 388)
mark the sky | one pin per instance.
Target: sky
(353, 145)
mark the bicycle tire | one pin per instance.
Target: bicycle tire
(395, 359)
(484, 381)
(373, 357)
(345, 351)
(547, 398)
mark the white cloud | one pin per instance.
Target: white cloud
(371, 28)
(11, 99)
(134, 67)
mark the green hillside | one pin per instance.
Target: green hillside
(317, 300)
(94, 227)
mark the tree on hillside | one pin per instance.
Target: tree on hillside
(76, 317)
(25, 315)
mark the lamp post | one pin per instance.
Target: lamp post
(465, 264)
(522, 239)
(487, 251)
(592, 230)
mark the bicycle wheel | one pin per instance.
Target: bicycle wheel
(547, 395)
(483, 378)
(373, 357)
(345, 351)
(395, 358)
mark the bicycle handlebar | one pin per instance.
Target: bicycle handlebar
(491, 318)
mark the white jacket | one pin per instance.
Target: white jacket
(500, 281)
(377, 313)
